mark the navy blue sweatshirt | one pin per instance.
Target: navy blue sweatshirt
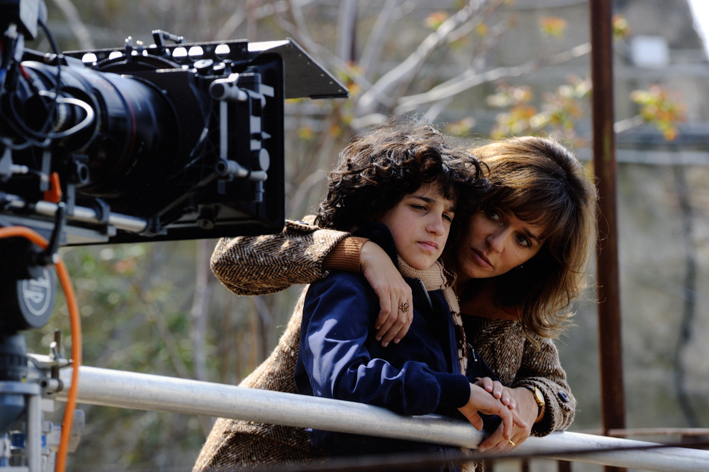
(339, 358)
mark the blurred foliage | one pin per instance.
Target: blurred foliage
(621, 28)
(436, 19)
(661, 108)
(559, 113)
(553, 26)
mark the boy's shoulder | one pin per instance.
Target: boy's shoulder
(344, 289)
(344, 280)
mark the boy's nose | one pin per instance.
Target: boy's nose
(436, 226)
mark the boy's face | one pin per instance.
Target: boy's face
(420, 224)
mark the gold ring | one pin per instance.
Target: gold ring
(404, 307)
(511, 442)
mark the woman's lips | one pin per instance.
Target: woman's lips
(482, 258)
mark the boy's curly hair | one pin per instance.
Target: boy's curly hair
(378, 168)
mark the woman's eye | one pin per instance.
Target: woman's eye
(493, 215)
(523, 241)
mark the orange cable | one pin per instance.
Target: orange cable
(75, 321)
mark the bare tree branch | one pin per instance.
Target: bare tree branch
(628, 123)
(200, 308)
(298, 30)
(384, 86)
(347, 30)
(375, 42)
(230, 26)
(75, 24)
(435, 109)
(304, 188)
(265, 321)
(470, 79)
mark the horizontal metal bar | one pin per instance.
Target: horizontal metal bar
(89, 215)
(152, 392)
(622, 433)
(85, 214)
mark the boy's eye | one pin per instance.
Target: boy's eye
(448, 217)
(418, 207)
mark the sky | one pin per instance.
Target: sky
(700, 9)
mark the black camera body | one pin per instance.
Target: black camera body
(164, 142)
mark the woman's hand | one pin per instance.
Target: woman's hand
(482, 401)
(527, 409)
(392, 290)
(497, 390)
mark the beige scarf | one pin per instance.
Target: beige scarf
(438, 277)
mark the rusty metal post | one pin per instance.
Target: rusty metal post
(609, 326)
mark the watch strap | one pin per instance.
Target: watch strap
(539, 399)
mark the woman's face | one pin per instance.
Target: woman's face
(495, 242)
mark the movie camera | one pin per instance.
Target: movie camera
(169, 141)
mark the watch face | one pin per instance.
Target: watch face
(539, 396)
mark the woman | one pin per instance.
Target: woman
(519, 264)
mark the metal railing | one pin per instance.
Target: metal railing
(157, 393)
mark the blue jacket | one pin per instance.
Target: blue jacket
(339, 358)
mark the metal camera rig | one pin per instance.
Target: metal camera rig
(168, 141)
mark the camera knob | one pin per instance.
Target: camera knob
(262, 160)
(204, 66)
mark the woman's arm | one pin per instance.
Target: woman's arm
(303, 253)
(541, 368)
(392, 290)
(258, 265)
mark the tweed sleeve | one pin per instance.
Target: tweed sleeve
(541, 368)
(258, 265)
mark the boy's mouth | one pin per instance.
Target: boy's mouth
(429, 245)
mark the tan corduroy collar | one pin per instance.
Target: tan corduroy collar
(436, 277)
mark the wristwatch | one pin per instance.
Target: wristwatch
(539, 398)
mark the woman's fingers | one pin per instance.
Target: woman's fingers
(510, 420)
(493, 441)
(494, 388)
(496, 443)
(395, 299)
(395, 314)
(482, 401)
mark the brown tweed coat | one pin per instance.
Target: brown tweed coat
(267, 264)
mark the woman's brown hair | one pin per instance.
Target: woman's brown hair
(378, 168)
(541, 182)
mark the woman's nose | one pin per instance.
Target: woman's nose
(496, 239)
